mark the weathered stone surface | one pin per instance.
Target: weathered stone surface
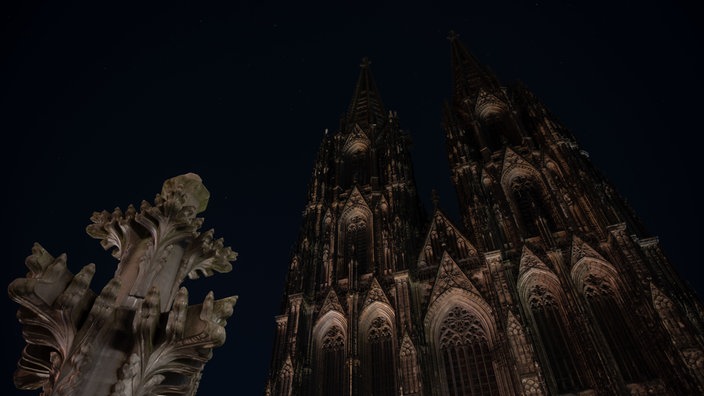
(138, 336)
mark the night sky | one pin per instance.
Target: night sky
(100, 102)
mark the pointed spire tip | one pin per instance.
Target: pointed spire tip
(365, 63)
(452, 35)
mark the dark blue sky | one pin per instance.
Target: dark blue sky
(101, 102)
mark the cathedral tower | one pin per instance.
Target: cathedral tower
(347, 293)
(550, 286)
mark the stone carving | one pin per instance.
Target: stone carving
(450, 276)
(487, 104)
(529, 261)
(460, 328)
(138, 336)
(512, 161)
(581, 249)
(334, 339)
(441, 236)
(331, 303)
(375, 293)
(379, 330)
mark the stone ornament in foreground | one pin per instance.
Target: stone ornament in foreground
(138, 336)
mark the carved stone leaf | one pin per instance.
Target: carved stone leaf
(88, 343)
(170, 224)
(185, 355)
(114, 230)
(206, 256)
(191, 333)
(51, 303)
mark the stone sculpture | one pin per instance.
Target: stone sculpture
(138, 336)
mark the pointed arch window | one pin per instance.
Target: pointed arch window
(379, 359)
(466, 355)
(533, 212)
(356, 164)
(410, 373)
(617, 332)
(495, 131)
(357, 244)
(519, 345)
(555, 338)
(495, 119)
(331, 363)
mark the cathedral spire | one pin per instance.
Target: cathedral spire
(469, 76)
(544, 290)
(366, 107)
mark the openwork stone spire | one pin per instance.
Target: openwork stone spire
(138, 336)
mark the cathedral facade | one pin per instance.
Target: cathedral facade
(550, 285)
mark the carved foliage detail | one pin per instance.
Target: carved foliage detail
(75, 337)
(53, 303)
(173, 364)
(163, 234)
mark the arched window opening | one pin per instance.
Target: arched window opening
(611, 320)
(554, 335)
(533, 212)
(466, 355)
(380, 364)
(519, 344)
(356, 168)
(330, 367)
(357, 244)
(409, 369)
(494, 131)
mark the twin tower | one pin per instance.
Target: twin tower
(549, 286)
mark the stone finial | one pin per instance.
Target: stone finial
(138, 336)
(190, 185)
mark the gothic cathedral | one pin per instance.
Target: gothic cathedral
(549, 286)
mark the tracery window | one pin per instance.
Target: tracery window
(518, 343)
(532, 210)
(380, 364)
(618, 335)
(555, 337)
(466, 355)
(357, 243)
(331, 364)
(356, 168)
(409, 369)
